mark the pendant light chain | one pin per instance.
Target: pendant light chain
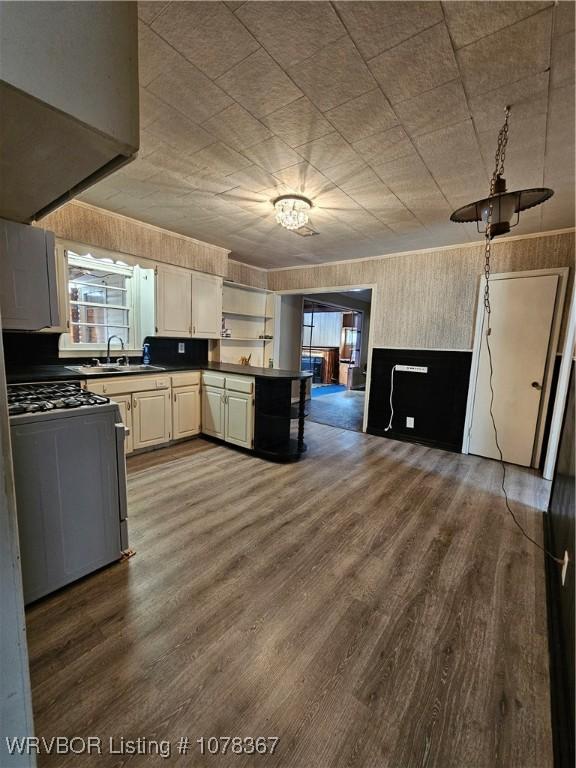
(499, 172)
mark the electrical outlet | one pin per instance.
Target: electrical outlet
(181, 347)
(410, 421)
(412, 368)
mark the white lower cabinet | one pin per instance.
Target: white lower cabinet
(185, 411)
(151, 418)
(213, 411)
(124, 403)
(239, 419)
(228, 408)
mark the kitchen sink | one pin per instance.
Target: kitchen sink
(91, 370)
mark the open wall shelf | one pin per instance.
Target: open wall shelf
(247, 312)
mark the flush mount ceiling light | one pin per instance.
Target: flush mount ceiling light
(292, 211)
(500, 211)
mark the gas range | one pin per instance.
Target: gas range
(42, 397)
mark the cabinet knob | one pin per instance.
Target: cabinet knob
(536, 385)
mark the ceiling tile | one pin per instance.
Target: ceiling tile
(154, 55)
(564, 16)
(252, 178)
(335, 200)
(220, 158)
(189, 91)
(237, 127)
(327, 151)
(375, 196)
(207, 34)
(149, 144)
(434, 109)
(453, 157)
(387, 145)
(151, 108)
(291, 31)
(363, 116)
(298, 122)
(417, 65)
(562, 66)
(407, 176)
(377, 26)
(526, 97)
(304, 180)
(259, 84)
(167, 159)
(494, 61)
(273, 154)
(351, 175)
(334, 75)
(148, 11)
(180, 133)
(470, 21)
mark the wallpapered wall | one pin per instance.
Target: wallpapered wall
(428, 299)
(93, 226)
(87, 224)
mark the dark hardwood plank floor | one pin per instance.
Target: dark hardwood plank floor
(372, 605)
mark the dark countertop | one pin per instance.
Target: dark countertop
(60, 372)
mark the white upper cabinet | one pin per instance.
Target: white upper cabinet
(69, 93)
(206, 306)
(28, 278)
(173, 301)
(188, 304)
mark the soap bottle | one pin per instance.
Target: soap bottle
(146, 358)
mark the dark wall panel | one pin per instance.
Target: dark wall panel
(560, 537)
(436, 400)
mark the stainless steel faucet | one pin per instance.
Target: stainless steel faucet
(108, 347)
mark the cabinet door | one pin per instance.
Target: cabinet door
(213, 411)
(173, 301)
(151, 418)
(124, 403)
(239, 419)
(28, 284)
(206, 306)
(185, 411)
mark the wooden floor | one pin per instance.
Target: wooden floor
(371, 605)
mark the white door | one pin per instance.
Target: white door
(206, 306)
(239, 419)
(124, 403)
(151, 418)
(173, 301)
(213, 411)
(521, 321)
(185, 411)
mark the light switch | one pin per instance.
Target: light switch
(181, 347)
(410, 421)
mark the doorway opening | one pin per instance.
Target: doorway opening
(335, 351)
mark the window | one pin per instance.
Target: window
(106, 297)
(100, 299)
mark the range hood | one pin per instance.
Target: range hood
(68, 100)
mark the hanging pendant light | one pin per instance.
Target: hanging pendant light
(500, 211)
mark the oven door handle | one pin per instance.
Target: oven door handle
(121, 464)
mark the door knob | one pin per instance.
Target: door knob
(536, 385)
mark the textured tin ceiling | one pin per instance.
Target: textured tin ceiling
(385, 114)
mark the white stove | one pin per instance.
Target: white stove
(70, 477)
